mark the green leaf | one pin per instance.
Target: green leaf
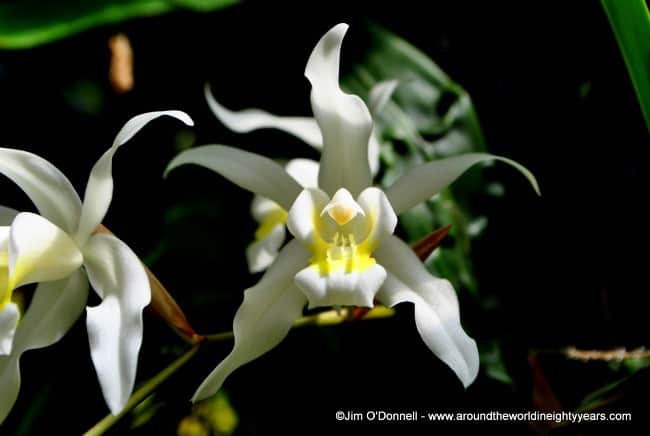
(630, 21)
(492, 362)
(28, 23)
(429, 117)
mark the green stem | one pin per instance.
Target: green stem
(330, 317)
(138, 396)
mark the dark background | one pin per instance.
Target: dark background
(569, 268)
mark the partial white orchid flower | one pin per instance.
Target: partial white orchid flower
(344, 251)
(272, 218)
(59, 250)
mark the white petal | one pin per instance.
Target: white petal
(344, 120)
(261, 207)
(252, 172)
(340, 288)
(304, 213)
(425, 181)
(39, 251)
(264, 318)
(53, 310)
(247, 120)
(49, 190)
(99, 190)
(7, 215)
(115, 325)
(9, 315)
(305, 171)
(380, 214)
(380, 94)
(261, 253)
(373, 154)
(436, 307)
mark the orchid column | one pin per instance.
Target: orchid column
(344, 251)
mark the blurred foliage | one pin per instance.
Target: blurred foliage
(212, 417)
(630, 21)
(430, 117)
(28, 23)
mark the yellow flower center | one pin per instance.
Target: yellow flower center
(340, 252)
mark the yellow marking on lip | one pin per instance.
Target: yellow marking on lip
(270, 221)
(5, 290)
(328, 257)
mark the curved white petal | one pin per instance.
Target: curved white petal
(304, 214)
(115, 325)
(436, 307)
(252, 172)
(380, 94)
(380, 214)
(261, 253)
(247, 120)
(305, 171)
(7, 215)
(49, 190)
(344, 120)
(425, 181)
(53, 310)
(262, 207)
(340, 288)
(374, 150)
(39, 251)
(264, 318)
(99, 190)
(9, 315)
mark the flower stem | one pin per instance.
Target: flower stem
(327, 318)
(143, 392)
(330, 317)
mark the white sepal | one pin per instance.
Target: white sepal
(250, 171)
(344, 120)
(425, 181)
(264, 318)
(99, 190)
(115, 325)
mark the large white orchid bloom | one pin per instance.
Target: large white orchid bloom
(344, 251)
(272, 218)
(51, 249)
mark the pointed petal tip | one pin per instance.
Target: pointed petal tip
(340, 28)
(332, 39)
(182, 116)
(523, 170)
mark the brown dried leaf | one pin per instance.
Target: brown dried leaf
(425, 246)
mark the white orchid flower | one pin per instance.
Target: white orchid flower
(344, 251)
(271, 232)
(59, 250)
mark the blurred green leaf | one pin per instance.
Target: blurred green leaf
(429, 117)
(492, 362)
(630, 21)
(28, 23)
